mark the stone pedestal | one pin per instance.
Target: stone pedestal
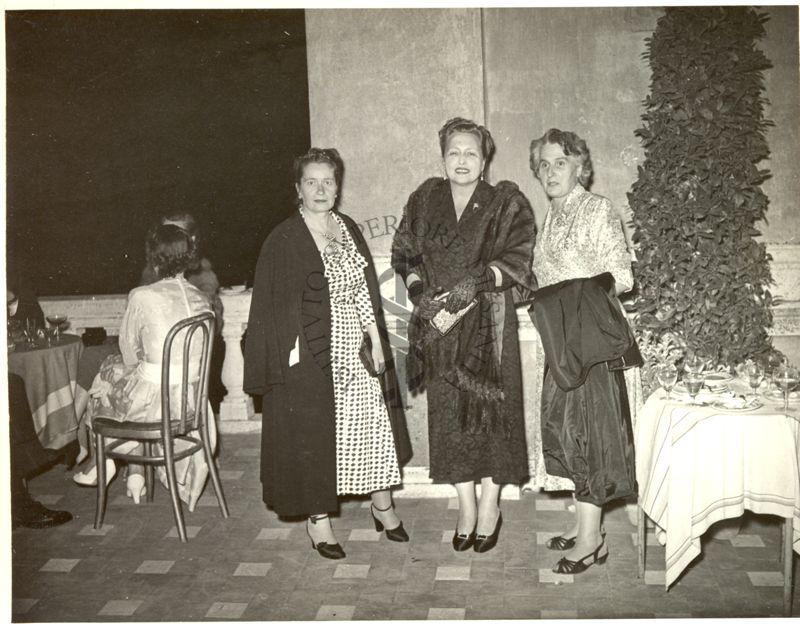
(236, 413)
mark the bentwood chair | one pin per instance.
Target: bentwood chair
(178, 422)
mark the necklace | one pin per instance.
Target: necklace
(333, 248)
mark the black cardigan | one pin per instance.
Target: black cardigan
(291, 293)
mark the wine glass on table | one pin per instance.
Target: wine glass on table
(694, 383)
(786, 378)
(31, 331)
(774, 361)
(754, 373)
(694, 363)
(667, 376)
(56, 321)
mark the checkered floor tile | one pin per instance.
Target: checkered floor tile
(255, 566)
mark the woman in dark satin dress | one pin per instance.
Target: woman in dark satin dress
(586, 432)
(466, 239)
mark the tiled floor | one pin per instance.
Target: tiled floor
(255, 567)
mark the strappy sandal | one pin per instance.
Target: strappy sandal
(567, 566)
(560, 542)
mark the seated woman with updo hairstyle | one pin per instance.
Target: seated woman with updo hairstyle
(128, 386)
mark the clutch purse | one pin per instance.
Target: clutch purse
(444, 321)
(365, 353)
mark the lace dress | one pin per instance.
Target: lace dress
(366, 459)
(128, 386)
(582, 238)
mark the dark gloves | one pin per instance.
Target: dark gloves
(429, 306)
(415, 292)
(467, 289)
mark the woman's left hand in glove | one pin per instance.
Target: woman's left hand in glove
(467, 289)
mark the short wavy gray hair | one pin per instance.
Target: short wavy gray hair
(572, 145)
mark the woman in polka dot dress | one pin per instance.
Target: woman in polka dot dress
(330, 426)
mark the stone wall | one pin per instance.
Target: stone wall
(381, 83)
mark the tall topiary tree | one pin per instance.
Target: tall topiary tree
(701, 273)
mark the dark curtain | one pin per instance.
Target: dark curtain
(116, 116)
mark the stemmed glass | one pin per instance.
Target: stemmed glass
(31, 330)
(16, 330)
(694, 382)
(667, 376)
(755, 375)
(56, 320)
(694, 363)
(786, 377)
(774, 361)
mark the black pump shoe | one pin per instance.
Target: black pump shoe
(484, 543)
(462, 541)
(397, 534)
(329, 551)
(568, 566)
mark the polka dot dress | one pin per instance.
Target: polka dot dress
(366, 459)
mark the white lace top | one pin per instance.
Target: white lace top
(582, 238)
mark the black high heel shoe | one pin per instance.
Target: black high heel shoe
(567, 566)
(484, 543)
(397, 534)
(463, 541)
(329, 551)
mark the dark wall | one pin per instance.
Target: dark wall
(116, 116)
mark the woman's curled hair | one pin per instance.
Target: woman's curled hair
(572, 145)
(170, 251)
(459, 124)
(327, 156)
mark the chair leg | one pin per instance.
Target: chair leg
(102, 488)
(212, 472)
(641, 532)
(172, 481)
(787, 567)
(149, 474)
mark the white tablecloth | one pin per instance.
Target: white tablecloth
(699, 464)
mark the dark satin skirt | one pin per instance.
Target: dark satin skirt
(587, 435)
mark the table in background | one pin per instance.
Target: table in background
(697, 464)
(50, 375)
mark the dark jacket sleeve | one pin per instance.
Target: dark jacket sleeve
(262, 363)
